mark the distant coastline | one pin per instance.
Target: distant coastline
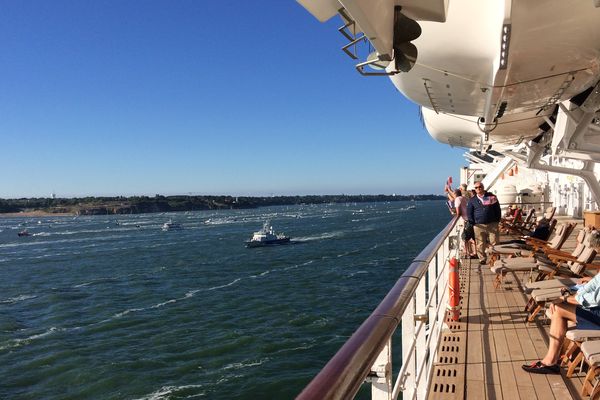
(39, 207)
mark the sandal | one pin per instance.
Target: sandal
(538, 368)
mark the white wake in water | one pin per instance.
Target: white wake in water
(21, 342)
(17, 299)
(166, 392)
(323, 236)
(248, 364)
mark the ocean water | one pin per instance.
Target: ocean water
(111, 307)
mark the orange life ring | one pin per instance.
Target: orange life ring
(454, 290)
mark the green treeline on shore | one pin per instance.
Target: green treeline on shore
(158, 203)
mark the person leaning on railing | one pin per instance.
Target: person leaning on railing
(468, 234)
(583, 305)
(484, 214)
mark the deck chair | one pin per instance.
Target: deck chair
(549, 213)
(515, 219)
(527, 247)
(540, 297)
(502, 266)
(529, 225)
(591, 354)
(571, 354)
(545, 263)
(522, 227)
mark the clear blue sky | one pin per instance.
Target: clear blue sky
(205, 97)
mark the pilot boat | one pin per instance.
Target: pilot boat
(267, 237)
(171, 226)
(24, 232)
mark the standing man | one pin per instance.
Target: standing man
(483, 212)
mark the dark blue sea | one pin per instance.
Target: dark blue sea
(111, 307)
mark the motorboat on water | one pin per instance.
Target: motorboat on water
(411, 207)
(267, 237)
(23, 233)
(171, 226)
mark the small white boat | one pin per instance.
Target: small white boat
(171, 226)
(267, 237)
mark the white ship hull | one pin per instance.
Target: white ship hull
(508, 76)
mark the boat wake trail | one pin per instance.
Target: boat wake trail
(17, 299)
(328, 235)
(240, 365)
(168, 392)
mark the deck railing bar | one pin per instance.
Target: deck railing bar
(343, 375)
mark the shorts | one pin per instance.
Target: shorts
(589, 314)
(468, 233)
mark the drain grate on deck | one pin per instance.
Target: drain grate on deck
(448, 377)
(451, 349)
(457, 326)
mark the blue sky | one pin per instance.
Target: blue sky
(205, 97)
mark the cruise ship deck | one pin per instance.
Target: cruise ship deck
(493, 341)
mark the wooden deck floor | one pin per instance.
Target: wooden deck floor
(498, 341)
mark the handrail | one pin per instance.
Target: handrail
(343, 375)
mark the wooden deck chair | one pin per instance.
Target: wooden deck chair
(529, 225)
(591, 354)
(516, 219)
(549, 213)
(543, 262)
(571, 354)
(566, 266)
(540, 297)
(524, 227)
(501, 266)
(551, 263)
(531, 245)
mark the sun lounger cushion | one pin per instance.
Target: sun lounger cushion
(581, 335)
(591, 351)
(509, 262)
(541, 295)
(522, 265)
(510, 247)
(552, 283)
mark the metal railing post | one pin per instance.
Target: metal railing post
(408, 336)
(421, 347)
(381, 374)
(435, 294)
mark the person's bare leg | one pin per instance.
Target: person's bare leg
(561, 313)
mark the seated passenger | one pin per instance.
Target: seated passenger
(584, 305)
(542, 230)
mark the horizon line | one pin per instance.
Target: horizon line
(225, 195)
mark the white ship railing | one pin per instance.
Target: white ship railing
(417, 302)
